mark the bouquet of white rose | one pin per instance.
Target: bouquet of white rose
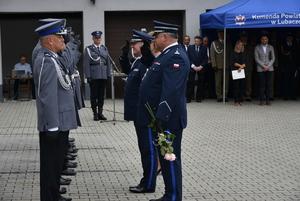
(164, 140)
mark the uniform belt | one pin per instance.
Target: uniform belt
(101, 64)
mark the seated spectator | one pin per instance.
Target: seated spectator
(22, 65)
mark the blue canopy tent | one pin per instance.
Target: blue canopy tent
(243, 14)
(253, 14)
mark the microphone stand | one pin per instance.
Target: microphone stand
(113, 89)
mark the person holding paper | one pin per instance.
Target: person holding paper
(238, 60)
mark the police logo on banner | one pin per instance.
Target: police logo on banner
(240, 20)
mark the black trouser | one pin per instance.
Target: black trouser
(190, 85)
(264, 84)
(209, 78)
(289, 84)
(146, 143)
(239, 90)
(51, 163)
(17, 84)
(172, 170)
(97, 92)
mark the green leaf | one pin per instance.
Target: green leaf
(162, 151)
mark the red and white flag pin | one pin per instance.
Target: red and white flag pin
(176, 65)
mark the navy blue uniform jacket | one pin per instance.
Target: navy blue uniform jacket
(135, 72)
(198, 58)
(163, 87)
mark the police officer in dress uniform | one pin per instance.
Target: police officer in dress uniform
(96, 64)
(55, 107)
(163, 87)
(135, 72)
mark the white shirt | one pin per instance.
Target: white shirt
(265, 48)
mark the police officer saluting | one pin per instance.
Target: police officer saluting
(96, 64)
(55, 106)
(135, 72)
(163, 87)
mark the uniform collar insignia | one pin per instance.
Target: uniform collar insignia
(177, 51)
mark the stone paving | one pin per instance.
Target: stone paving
(229, 153)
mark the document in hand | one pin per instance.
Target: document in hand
(238, 75)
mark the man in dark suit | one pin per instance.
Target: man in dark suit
(197, 54)
(55, 106)
(163, 88)
(289, 55)
(186, 42)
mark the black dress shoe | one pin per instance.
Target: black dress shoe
(140, 189)
(102, 117)
(226, 100)
(66, 179)
(71, 144)
(72, 150)
(64, 182)
(61, 198)
(71, 165)
(188, 100)
(293, 98)
(73, 155)
(71, 139)
(137, 186)
(198, 100)
(62, 190)
(159, 199)
(96, 117)
(158, 171)
(69, 157)
(70, 172)
(219, 100)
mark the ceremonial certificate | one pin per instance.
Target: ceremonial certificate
(238, 75)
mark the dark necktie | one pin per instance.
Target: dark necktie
(98, 49)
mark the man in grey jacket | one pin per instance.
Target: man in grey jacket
(264, 57)
(55, 106)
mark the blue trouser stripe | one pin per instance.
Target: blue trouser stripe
(173, 180)
(172, 173)
(152, 157)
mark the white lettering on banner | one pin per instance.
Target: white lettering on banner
(283, 18)
(264, 17)
(288, 21)
(284, 15)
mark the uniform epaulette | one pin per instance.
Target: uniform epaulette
(47, 54)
